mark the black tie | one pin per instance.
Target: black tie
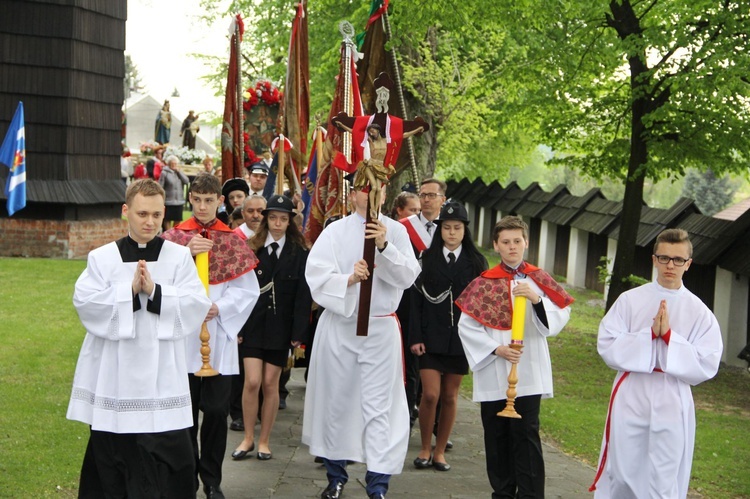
(451, 259)
(429, 226)
(273, 258)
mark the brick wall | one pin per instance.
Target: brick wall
(57, 238)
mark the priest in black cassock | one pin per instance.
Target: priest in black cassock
(138, 299)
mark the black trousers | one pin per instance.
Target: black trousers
(235, 400)
(211, 396)
(515, 465)
(411, 368)
(138, 465)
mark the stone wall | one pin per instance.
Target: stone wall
(57, 238)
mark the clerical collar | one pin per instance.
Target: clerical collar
(151, 244)
(132, 251)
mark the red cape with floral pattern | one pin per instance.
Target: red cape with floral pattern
(487, 298)
(230, 257)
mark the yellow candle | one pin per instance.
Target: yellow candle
(201, 262)
(519, 318)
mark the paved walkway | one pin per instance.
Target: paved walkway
(293, 474)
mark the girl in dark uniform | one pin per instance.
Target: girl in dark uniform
(448, 266)
(278, 322)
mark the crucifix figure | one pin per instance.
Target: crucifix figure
(376, 142)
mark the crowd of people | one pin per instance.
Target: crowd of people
(436, 312)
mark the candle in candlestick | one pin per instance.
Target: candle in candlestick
(201, 262)
(519, 318)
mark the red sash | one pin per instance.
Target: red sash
(414, 237)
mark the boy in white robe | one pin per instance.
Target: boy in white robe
(661, 339)
(233, 289)
(513, 448)
(139, 299)
(355, 405)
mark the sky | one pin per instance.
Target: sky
(160, 36)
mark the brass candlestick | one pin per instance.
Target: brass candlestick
(206, 369)
(510, 404)
(201, 263)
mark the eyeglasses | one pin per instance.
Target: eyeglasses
(428, 195)
(664, 260)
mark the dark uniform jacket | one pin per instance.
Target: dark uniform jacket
(431, 323)
(274, 327)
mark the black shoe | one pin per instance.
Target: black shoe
(237, 425)
(213, 492)
(333, 491)
(264, 456)
(448, 445)
(282, 404)
(239, 454)
(441, 466)
(422, 464)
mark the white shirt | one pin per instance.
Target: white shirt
(455, 252)
(280, 242)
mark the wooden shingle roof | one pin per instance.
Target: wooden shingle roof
(735, 258)
(566, 206)
(538, 200)
(476, 191)
(655, 220)
(710, 236)
(512, 196)
(599, 216)
(458, 189)
(83, 192)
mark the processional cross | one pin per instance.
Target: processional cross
(376, 142)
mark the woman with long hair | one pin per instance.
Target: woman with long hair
(405, 205)
(450, 263)
(278, 322)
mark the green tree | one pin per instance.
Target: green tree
(450, 66)
(711, 194)
(635, 90)
(132, 81)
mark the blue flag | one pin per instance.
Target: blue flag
(13, 155)
(310, 179)
(270, 188)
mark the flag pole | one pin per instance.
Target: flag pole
(240, 121)
(400, 93)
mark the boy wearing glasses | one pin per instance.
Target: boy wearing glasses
(661, 339)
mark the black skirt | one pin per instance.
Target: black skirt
(173, 213)
(275, 357)
(446, 364)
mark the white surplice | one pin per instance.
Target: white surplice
(130, 376)
(534, 369)
(652, 417)
(355, 403)
(235, 299)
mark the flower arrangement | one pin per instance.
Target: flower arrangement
(149, 147)
(186, 155)
(264, 91)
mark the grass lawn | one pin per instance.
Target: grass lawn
(41, 451)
